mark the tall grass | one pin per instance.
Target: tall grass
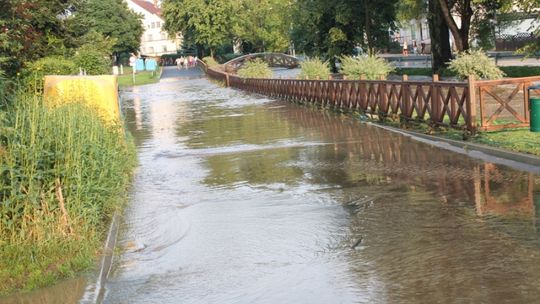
(371, 67)
(314, 68)
(255, 69)
(63, 172)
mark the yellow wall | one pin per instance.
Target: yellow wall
(100, 92)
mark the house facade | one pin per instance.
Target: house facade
(155, 41)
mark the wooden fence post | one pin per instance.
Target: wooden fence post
(471, 105)
(435, 99)
(227, 83)
(406, 109)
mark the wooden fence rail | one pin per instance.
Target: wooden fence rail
(452, 104)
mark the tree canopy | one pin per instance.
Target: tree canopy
(111, 18)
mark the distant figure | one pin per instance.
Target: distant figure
(178, 63)
(414, 47)
(405, 48)
(422, 47)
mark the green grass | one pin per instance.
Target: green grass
(521, 71)
(63, 173)
(510, 71)
(141, 78)
(520, 140)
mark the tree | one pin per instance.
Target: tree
(440, 39)
(334, 28)
(30, 30)
(112, 19)
(211, 23)
(264, 25)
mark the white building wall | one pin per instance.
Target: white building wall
(154, 41)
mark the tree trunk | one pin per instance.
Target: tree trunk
(440, 38)
(461, 35)
(368, 27)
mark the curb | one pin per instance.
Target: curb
(516, 160)
(95, 292)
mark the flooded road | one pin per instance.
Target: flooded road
(242, 199)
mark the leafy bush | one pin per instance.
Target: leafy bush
(313, 68)
(257, 68)
(93, 61)
(53, 65)
(210, 61)
(371, 67)
(33, 75)
(475, 63)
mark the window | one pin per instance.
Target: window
(149, 37)
(153, 25)
(164, 48)
(158, 24)
(151, 50)
(163, 36)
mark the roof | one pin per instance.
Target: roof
(148, 6)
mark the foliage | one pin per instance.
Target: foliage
(313, 68)
(210, 23)
(255, 69)
(33, 75)
(372, 67)
(264, 25)
(334, 28)
(111, 18)
(210, 61)
(53, 65)
(92, 61)
(30, 30)
(475, 63)
(63, 173)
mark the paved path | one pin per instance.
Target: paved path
(171, 72)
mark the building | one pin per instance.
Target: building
(154, 41)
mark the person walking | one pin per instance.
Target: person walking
(414, 47)
(178, 63)
(422, 47)
(405, 48)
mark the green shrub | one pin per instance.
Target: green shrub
(210, 61)
(53, 65)
(46, 152)
(313, 68)
(372, 67)
(475, 63)
(94, 62)
(257, 68)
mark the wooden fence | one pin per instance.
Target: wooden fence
(453, 104)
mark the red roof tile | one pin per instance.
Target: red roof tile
(150, 7)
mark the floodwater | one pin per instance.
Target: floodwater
(243, 199)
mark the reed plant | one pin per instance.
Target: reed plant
(257, 68)
(63, 173)
(370, 67)
(314, 68)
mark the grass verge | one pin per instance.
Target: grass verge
(63, 173)
(141, 78)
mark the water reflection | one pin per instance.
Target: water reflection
(68, 291)
(242, 200)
